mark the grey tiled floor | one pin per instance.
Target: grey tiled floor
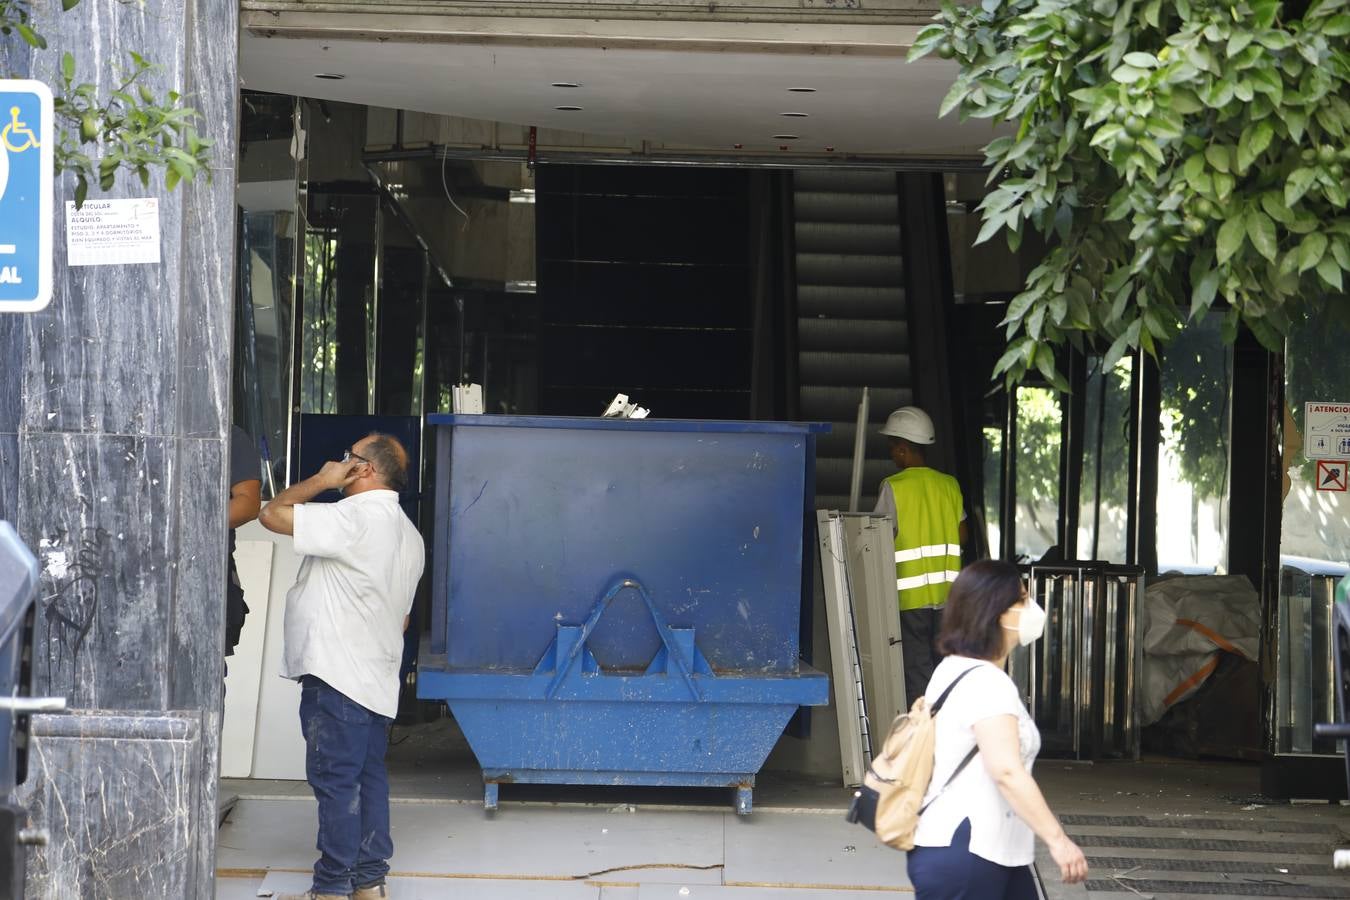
(446, 849)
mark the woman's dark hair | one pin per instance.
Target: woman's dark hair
(981, 593)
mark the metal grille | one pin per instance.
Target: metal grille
(1211, 888)
(1218, 845)
(1101, 864)
(1266, 827)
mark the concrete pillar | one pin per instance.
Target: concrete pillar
(114, 417)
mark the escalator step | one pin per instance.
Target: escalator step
(863, 302)
(813, 206)
(850, 335)
(846, 237)
(849, 269)
(855, 181)
(876, 370)
(820, 403)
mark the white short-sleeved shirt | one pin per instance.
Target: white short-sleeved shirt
(996, 832)
(362, 560)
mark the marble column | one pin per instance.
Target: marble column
(114, 415)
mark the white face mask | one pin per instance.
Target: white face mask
(1030, 624)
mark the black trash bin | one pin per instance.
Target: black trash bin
(18, 584)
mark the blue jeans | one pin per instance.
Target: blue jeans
(344, 764)
(954, 873)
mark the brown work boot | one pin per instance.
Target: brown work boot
(377, 891)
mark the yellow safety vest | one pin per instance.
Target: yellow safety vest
(927, 537)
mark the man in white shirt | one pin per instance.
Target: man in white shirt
(345, 618)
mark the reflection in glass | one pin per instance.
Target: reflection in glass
(1314, 537)
(1196, 380)
(1104, 493)
(1039, 430)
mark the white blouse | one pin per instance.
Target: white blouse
(996, 832)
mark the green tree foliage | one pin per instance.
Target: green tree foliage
(1179, 155)
(130, 129)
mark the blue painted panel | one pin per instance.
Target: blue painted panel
(673, 739)
(543, 513)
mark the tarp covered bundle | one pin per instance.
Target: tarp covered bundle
(1187, 621)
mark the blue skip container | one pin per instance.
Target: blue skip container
(619, 601)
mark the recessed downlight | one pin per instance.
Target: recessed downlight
(802, 90)
(330, 76)
(568, 108)
(795, 115)
(565, 84)
(785, 137)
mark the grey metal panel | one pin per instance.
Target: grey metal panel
(871, 559)
(852, 335)
(846, 237)
(872, 369)
(861, 181)
(851, 301)
(846, 683)
(812, 206)
(849, 269)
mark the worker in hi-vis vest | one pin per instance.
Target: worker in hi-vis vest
(930, 527)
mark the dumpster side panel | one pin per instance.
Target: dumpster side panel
(670, 739)
(540, 520)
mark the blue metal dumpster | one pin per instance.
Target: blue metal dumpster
(619, 601)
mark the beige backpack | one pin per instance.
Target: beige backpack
(888, 802)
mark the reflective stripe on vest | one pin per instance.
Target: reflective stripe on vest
(927, 538)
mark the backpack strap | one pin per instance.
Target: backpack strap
(969, 756)
(965, 762)
(942, 698)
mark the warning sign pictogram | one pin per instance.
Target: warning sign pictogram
(1331, 475)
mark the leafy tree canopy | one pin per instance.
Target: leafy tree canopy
(1180, 155)
(131, 128)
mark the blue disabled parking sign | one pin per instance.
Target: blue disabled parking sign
(25, 195)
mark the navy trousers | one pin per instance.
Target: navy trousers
(345, 745)
(954, 873)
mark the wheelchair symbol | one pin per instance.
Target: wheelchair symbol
(16, 129)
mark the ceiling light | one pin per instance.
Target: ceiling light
(785, 137)
(802, 90)
(330, 76)
(565, 84)
(523, 196)
(795, 115)
(568, 108)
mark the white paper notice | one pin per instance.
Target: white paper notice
(1326, 430)
(113, 232)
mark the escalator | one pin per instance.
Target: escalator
(852, 319)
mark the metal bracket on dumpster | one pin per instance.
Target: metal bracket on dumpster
(677, 651)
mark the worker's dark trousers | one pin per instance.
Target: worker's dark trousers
(918, 644)
(345, 745)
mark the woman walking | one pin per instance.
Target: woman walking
(983, 810)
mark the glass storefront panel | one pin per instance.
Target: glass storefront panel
(1192, 499)
(1314, 534)
(265, 280)
(1039, 430)
(1103, 516)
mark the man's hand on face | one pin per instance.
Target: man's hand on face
(337, 475)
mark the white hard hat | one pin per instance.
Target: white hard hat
(910, 423)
